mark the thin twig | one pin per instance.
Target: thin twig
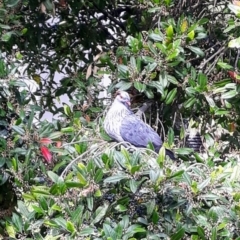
(164, 135)
(210, 68)
(143, 109)
(210, 58)
(78, 158)
(81, 141)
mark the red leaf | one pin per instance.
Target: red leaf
(46, 154)
(232, 75)
(58, 144)
(45, 141)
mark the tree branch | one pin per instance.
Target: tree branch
(143, 109)
(121, 25)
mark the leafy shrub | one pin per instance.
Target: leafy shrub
(66, 182)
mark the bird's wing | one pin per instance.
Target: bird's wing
(138, 133)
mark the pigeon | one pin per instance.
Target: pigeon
(121, 124)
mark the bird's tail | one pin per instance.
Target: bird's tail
(170, 154)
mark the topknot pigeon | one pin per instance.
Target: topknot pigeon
(121, 124)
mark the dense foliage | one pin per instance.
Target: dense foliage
(63, 180)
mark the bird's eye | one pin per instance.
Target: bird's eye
(120, 96)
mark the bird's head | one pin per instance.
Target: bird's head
(123, 97)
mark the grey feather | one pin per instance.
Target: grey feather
(138, 133)
(121, 124)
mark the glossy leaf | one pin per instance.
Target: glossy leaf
(196, 50)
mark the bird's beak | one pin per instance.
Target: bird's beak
(128, 103)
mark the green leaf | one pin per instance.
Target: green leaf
(155, 217)
(67, 110)
(214, 233)
(76, 215)
(154, 9)
(3, 26)
(151, 205)
(209, 140)
(171, 96)
(67, 130)
(158, 85)
(86, 231)
(210, 197)
(28, 197)
(147, 59)
(39, 190)
(201, 35)
(201, 233)
(202, 81)
(178, 235)
(203, 21)
(169, 31)
(229, 94)
(10, 230)
(124, 222)
(10, 106)
(135, 228)
(90, 203)
(191, 35)
(30, 120)
(100, 213)
(176, 174)
(162, 48)
(210, 101)
(116, 178)
(151, 66)
(3, 161)
(133, 63)
(135, 169)
(71, 184)
(70, 227)
(12, 3)
(184, 151)
(190, 102)
(109, 231)
(173, 54)
(224, 65)
(191, 91)
(19, 130)
(55, 135)
(172, 79)
(121, 208)
(152, 48)
(123, 85)
(170, 137)
(133, 185)
(198, 158)
(196, 50)
(133, 43)
(204, 184)
(82, 179)
(6, 36)
(161, 156)
(98, 176)
(149, 93)
(156, 37)
(61, 222)
(17, 221)
(123, 71)
(140, 86)
(54, 177)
